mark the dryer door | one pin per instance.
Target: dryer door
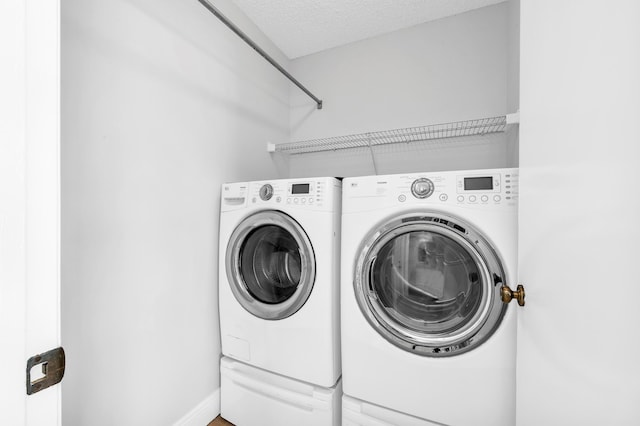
(270, 265)
(430, 284)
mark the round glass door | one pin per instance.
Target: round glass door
(430, 284)
(270, 265)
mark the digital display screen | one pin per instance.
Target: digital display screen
(300, 188)
(478, 183)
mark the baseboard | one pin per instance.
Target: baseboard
(202, 413)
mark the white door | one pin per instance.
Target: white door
(579, 255)
(29, 205)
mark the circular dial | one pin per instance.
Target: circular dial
(266, 192)
(422, 188)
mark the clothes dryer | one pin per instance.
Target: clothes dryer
(424, 330)
(279, 277)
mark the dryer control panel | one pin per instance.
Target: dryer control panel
(493, 187)
(487, 187)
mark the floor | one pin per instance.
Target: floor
(219, 421)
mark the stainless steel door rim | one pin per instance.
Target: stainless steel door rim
(429, 283)
(238, 274)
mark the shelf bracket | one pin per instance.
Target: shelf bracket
(513, 118)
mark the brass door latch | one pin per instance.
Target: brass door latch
(507, 295)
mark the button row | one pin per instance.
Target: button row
(290, 200)
(461, 199)
(402, 198)
(483, 198)
(298, 200)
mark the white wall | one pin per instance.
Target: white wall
(578, 346)
(447, 70)
(513, 78)
(160, 104)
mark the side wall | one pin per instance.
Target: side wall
(447, 70)
(161, 103)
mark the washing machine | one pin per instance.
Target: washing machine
(279, 277)
(425, 332)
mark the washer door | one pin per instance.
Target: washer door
(430, 284)
(270, 265)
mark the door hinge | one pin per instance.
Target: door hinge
(53, 363)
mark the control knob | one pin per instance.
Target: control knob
(422, 188)
(266, 192)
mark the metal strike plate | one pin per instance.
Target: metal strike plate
(53, 363)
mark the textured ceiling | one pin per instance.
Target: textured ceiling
(302, 27)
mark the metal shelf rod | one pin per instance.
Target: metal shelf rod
(258, 49)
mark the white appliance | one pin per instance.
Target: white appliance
(424, 330)
(362, 413)
(279, 277)
(254, 397)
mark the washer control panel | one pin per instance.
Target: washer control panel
(305, 193)
(298, 193)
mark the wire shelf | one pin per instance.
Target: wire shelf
(455, 129)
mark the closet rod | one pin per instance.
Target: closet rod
(257, 48)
